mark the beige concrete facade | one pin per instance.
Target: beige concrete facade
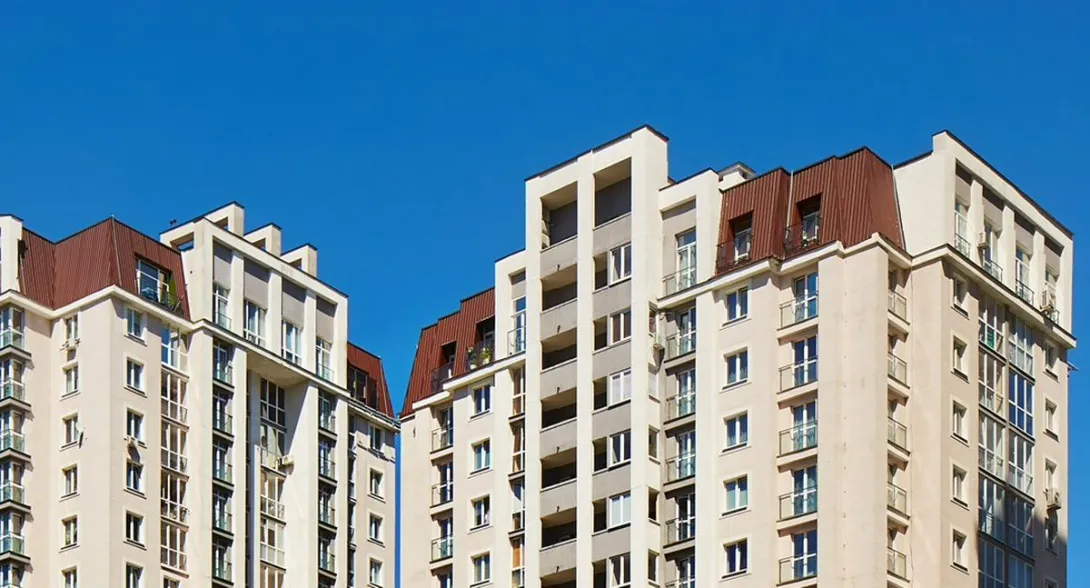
(810, 435)
(147, 468)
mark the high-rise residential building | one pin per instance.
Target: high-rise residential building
(186, 412)
(850, 374)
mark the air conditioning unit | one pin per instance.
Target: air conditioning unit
(1053, 499)
(287, 461)
(130, 441)
(982, 240)
(1048, 301)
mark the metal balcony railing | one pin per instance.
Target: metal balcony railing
(442, 493)
(442, 548)
(481, 354)
(803, 235)
(159, 292)
(1023, 291)
(897, 369)
(800, 437)
(442, 438)
(679, 344)
(680, 467)
(327, 514)
(897, 305)
(798, 567)
(440, 375)
(992, 268)
(798, 374)
(961, 244)
(896, 563)
(896, 433)
(799, 310)
(798, 503)
(680, 406)
(11, 388)
(680, 529)
(516, 340)
(897, 498)
(732, 254)
(683, 279)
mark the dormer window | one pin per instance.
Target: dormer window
(155, 284)
(743, 237)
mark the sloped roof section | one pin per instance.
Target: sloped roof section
(103, 255)
(459, 328)
(378, 393)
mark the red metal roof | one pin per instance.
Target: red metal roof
(57, 274)
(369, 363)
(460, 328)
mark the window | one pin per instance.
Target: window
(743, 238)
(686, 260)
(134, 476)
(482, 400)
(1021, 345)
(71, 579)
(1021, 402)
(960, 293)
(71, 330)
(1050, 417)
(737, 558)
(620, 571)
(619, 511)
(620, 263)
(134, 576)
(71, 531)
(1021, 463)
(957, 421)
(991, 565)
(134, 426)
(221, 313)
(991, 382)
(737, 431)
(272, 403)
(482, 568)
(254, 329)
(738, 304)
(291, 343)
(1019, 574)
(378, 438)
(620, 326)
(1050, 358)
(134, 528)
(323, 358)
(737, 494)
(957, 485)
(958, 357)
(71, 480)
(71, 430)
(374, 572)
(958, 550)
(990, 331)
(134, 375)
(134, 323)
(620, 448)
(991, 446)
(173, 350)
(71, 380)
(172, 546)
(374, 528)
(620, 387)
(737, 368)
(1020, 522)
(375, 486)
(482, 512)
(653, 444)
(482, 456)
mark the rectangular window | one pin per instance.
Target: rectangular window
(172, 546)
(620, 571)
(254, 328)
(737, 368)
(1021, 463)
(620, 448)
(374, 573)
(134, 576)
(323, 358)
(992, 566)
(482, 456)
(737, 431)
(1050, 358)
(620, 326)
(377, 438)
(957, 421)
(272, 403)
(990, 330)
(1019, 573)
(71, 380)
(482, 400)
(686, 260)
(1021, 402)
(743, 239)
(620, 387)
(620, 263)
(737, 494)
(173, 348)
(291, 343)
(482, 512)
(1020, 522)
(957, 548)
(134, 528)
(134, 425)
(375, 486)
(71, 330)
(960, 293)
(71, 430)
(134, 476)
(957, 485)
(1021, 345)
(990, 373)
(737, 558)
(958, 357)
(134, 375)
(71, 579)
(482, 568)
(374, 528)
(1050, 417)
(71, 531)
(619, 511)
(71, 480)
(992, 447)
(221, 312)
(738, 304)
(134, 323)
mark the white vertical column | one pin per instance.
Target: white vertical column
(707, 380)
(274, 317)
(1007, 241)
(1037, 268)
(532, 490)
(976, 215)
(309, 335)
(584, 379)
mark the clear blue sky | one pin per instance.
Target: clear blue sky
(395, 137)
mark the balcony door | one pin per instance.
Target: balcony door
(686, 259)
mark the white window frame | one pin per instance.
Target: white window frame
(481, 569)
(70, 532)
(482, 456)
(737, 494)
(619, 321)
(736, 427)
(957, 549)
(71, 330)
(958, 417)
(70, 477)
(957, 485)
(738, 367)
(136, 483)
(134, 374)
(619, 510)
(134, 323)
(134, 576)
(71, 379)
(221, 305)
(620, 571)
(620, 387)
(1050, 417)
(1021, 345)
(619, 449)
(737, 557)
(134, 528)
(379, 490)
(482, 512)
(957, 357)
(737, 304)
(291, 342)
(254, 328)
(70, 425)
(375, 572)
(1021, 393)
(70, 577)
(482, 400)
(134, 424)
(375, 528)
(620, 263)
(959, 293)
(991, 382)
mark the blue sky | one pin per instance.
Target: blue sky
(395, 136)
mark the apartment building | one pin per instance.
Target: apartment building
(826, 376)
(186, 411)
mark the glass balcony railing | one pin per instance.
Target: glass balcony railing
(803, 235)
(516, 340)
(799, 310)
(800, 437)
(442, 438)
(271, 554)
(222, 471)
(11, 439)
(680, 406)
(223, 372)
(799, 567)
(174, 410)
(961, 244)
(682, 279)
(327, 562)
(327, 420)
(896, 563)
(221, 319)
(441, 374)
(13, 492)
(173, 511)
(1023, 291)
(798, 503)
(272, 508)
(797, 374)
(680, 467)
(897, 498)
(442, 548)
(679, 344)
(221, 520)
(222, 422)
(680, 529)
(991, 267)
(221, 570)
(897, 305)
(682, 583)
(12, 543)
(442, 493)
(153, 288)
(14, 389)
(327, 514)
(896, 433)
(991, 462)
(897, 369)
(12, 337)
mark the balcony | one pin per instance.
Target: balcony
(172, 558)
(798, 374)
(797, 311)
(442, 438)
(12, 337)
(271, 554)
(173, 511)
(681, 405)
(480, 354)
(13, 492)
(327, 467)
(442, 493)
(222, 422)
(272, 508)
(174, 461)
(733, 254)
(681, 583)
(897, 434)
(897, 305)
(327, 420)
(221, 570)
(1023, 291)
(1020, 479)
(961, 245)
(682, 279)
(223, 372)
(798, 438)
(221, 520)
(222, 471)
(516, 340)
(798, 503)
(896, 563)
(799, 567)
(680, 467)
(991, 462)
(221, 319)
(678, 530)
(12, 389)
(992, 268)
(440, 375)
(327, 562)
(897, 369)
(327, 514)
(174, 411)
(680, 344)
(442, 548)
(896, 498)
(807, 234)
(154, 289)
